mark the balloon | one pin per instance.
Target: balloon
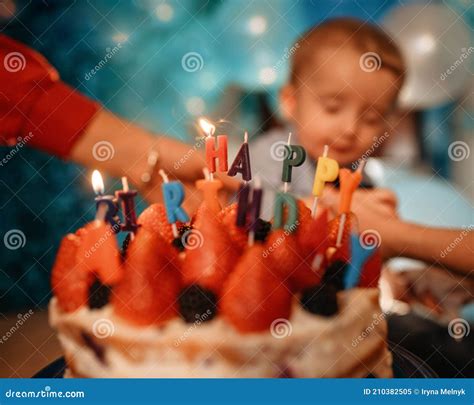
(435, 45)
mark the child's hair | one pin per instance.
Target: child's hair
(346, 32)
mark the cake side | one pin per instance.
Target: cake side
(351, 343)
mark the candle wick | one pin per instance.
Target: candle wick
(361, 166)
(326, 150)
(174, 228)
(207, 176)
(289, 139)
(125, 183)
(163, 175)
(246, 137)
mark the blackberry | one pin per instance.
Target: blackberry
(335, 273)
(320, 300)
(197, 304)
(125, 244)
(98, 295)
(263, 228)
(178, 242)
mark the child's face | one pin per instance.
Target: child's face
(340, 105)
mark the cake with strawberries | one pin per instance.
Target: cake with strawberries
(210, 304)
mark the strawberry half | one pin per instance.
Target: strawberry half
(287, 259)
(211, 261)
(149, 290)
(69, 279)
(254, 296)
(228, 216)
(154, 219)
(99, 252)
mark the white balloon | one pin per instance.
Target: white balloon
(435, 44)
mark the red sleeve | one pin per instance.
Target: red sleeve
(35, 105)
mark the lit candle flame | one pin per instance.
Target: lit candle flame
(207, 126)
(97, 182)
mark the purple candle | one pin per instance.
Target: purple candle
(127, 199)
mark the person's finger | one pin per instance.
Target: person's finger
(387, 196)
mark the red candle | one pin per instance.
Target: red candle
(214, 151)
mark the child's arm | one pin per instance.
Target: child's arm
(376, 210)
(451, 248)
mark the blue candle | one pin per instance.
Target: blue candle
(108, 201)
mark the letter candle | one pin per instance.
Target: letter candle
(326, 170)
(173, 194)
(105, 203)
(349, 182)
(254, 211)
(209, 190)
(296, 157)
(127, 199)
(213, 152)
(241, 163)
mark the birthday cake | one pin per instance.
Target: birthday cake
(296, 298)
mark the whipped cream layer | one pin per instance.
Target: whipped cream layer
(351, 343)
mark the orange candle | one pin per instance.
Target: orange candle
(349, 181)
(209, 190)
